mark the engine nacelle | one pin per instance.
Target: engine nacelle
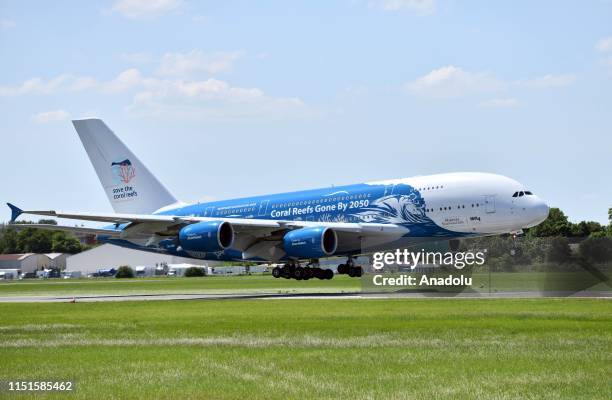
(208, 236)
(310, 242)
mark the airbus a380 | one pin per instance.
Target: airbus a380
(295, 229)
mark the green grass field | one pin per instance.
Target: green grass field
(165, 285)
(277, 349)
(499, 282)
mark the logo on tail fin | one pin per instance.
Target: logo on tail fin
(123, 171)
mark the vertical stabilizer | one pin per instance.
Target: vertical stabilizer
(129, 185)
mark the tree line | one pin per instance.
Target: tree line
(33, 240)
(556, 244)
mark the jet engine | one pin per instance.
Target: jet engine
(312, 242)
(208, 236)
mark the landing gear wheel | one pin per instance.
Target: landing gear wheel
(328, 274)
(276, 272)
(286, 272)
(343, 269)
(308, 273)
(298, 274)
(355, 272)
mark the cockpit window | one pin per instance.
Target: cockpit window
(528, 193)
(515, 194)
(521, 194)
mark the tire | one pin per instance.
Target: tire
(328, 274)
(352, 272)
(276, 272)
(298, 274)
(342, 269)
(308, 273)
(359, 272)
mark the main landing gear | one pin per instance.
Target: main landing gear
(352, 270)
(295, 271)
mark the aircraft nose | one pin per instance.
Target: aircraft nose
(541, 210)
(537, 212)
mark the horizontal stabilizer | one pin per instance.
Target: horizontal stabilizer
(15, 212)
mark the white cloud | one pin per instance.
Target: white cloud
(172, 97)
(196, 62)
(145, 8)
(419, 7)
(69, 83)
(136, 58)
(35, 86)
(604, 45)
(547, 81)
(51, 116)
(209, 98)
(509, 102)
(128, 79)
(200, 18)
(7, 24)
(451, 81)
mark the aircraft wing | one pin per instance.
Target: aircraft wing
(254, 237)
(238, 223)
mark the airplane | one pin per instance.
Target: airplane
(296, 229)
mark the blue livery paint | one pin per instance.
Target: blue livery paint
(315, 242)
(398, 204)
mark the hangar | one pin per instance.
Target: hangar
(109, 256)
(56, 260)
(28, 262)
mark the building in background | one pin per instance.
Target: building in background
(56, 260)
(28, 262)
(109, 256)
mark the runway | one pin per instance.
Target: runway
(290, 296)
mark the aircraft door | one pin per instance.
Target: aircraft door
(263, 208)
(489, 203)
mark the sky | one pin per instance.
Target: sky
(237, 98)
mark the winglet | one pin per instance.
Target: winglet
(15, 212)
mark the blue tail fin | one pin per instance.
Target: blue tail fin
(15, 212)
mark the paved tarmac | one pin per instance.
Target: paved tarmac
(263, 296)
